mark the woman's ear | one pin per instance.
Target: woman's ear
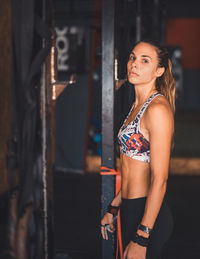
(160, 71)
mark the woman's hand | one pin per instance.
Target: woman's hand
(134, 251)
(107, 225)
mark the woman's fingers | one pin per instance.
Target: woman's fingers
(105, 228)
(111, 228)
(107, 225)
(104, 231)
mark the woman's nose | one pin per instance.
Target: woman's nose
(133, 63)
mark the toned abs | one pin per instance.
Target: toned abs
(135, 177)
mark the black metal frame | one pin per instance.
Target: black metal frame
(108, 159)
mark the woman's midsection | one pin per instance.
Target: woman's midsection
(135, 178)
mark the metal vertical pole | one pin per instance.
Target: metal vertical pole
(107, 189)
(44, 144)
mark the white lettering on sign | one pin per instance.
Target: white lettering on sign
(62, 45)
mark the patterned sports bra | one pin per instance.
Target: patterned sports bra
(131, 141)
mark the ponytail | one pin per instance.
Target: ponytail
(166, 85)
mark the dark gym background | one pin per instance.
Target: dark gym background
(74, 230)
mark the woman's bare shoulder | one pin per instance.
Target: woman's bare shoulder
(159, 111)
(159, 105)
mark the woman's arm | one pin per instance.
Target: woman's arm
(160, 124)
(117, 200)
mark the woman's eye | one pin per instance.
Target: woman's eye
(145, 61)
(131, 58)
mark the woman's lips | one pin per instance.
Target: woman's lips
(133, 74)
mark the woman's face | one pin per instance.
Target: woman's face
(143, 64)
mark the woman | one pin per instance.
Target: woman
(145, 142)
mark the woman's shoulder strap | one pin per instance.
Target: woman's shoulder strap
(145, 105)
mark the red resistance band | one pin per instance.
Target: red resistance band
(109, 171)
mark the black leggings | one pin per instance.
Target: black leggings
(132, 211)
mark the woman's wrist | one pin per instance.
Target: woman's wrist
(140, 240)
(144, 230)
(141, 233)
(112, 209)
